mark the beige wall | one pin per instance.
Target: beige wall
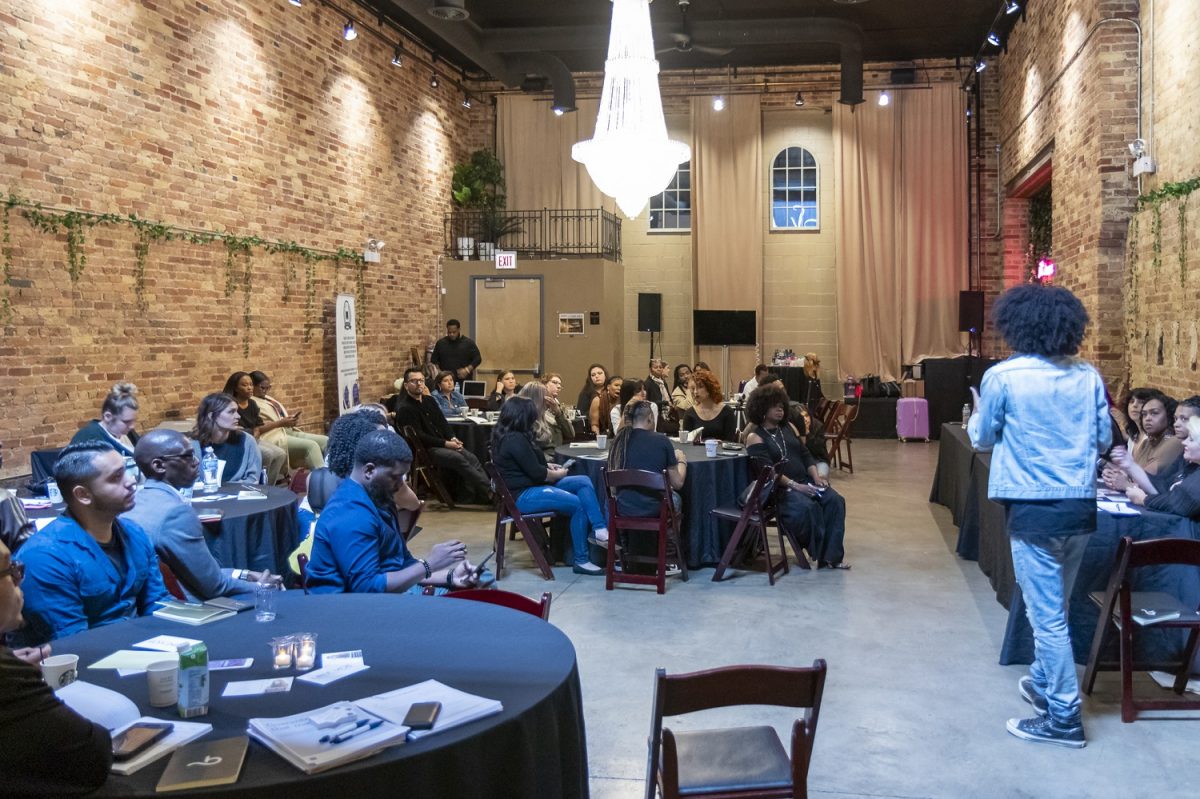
(569, 286)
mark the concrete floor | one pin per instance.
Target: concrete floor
(915, 703)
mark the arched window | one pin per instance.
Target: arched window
(794, 193)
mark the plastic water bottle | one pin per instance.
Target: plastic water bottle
(966, 414)
(208, 467)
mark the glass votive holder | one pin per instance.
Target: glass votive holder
(306, 650)
(282, 650)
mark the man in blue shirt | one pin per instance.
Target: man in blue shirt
(358, 547)
(87, 569)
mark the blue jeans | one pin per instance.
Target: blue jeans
(570, 496)
(1045, 568)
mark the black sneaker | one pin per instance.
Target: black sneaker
(1047, 731)
(1030, 694)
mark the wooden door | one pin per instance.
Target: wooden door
(507, 323)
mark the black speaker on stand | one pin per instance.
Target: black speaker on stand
(970, 321)
(650, 316)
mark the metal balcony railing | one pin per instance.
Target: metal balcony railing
(549, 233)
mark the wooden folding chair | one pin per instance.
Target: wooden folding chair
(424, 469)
(741, 762)
(302, 562)
(837, 433)
(531, 525)
(665, 525)
(1117, 606)
(494, 596)
(752, 519)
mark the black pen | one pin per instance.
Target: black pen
(346, 736)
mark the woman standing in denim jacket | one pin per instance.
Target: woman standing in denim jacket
(1044, 416)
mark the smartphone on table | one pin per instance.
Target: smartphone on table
(422, 715)
(137, 738)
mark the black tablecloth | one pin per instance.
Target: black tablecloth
(711, 483)
(950, 479)
(535, 748)
(1164, 646)
(876, 417)
(256, 534)
(475, 437)
(798, 385)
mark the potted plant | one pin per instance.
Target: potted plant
(494, 224)
(477, 184)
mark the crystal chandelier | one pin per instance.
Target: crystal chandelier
(630, 157)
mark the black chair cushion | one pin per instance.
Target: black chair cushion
(737, 759)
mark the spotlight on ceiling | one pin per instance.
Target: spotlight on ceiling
(884, 99)
(296, 3)
(449, 10)
(466, 103)
(398, 57)
(1013, 7)
(980, 65)
(719, 103)
(433, 80)
(993, 39)
(799, 102)
(348, 31)
(558, 111)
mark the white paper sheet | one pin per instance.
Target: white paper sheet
(277, 685)
(166, 643)
(41, 524)
(129, 660)
(1117, 508)
(328, 674)
(99, 705)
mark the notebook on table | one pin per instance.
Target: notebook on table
(204, 764)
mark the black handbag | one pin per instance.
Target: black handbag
(872, 386)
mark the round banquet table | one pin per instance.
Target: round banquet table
(711, 483)
(256, 534)
(536, 747)
(474, 436)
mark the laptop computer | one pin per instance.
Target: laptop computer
(474, 388)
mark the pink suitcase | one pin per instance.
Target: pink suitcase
(912, 418)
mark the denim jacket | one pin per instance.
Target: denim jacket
(1045, 420)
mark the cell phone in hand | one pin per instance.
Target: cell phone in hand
(422, 715)
(483, 564)
(138, 738)
(569, 463)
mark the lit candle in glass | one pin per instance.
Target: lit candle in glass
(281, 649)
(306, 650)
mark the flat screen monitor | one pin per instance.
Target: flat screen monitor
(474, 388)
(724, 328)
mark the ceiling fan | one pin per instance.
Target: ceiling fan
(683, 39)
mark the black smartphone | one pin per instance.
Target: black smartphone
(569, 464)
(422, 715)
(483, 563)
(137, 738)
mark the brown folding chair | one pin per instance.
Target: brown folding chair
(742, 762)
(171, 581)
(302, 562)
(1117, 605)
(531, 525)
(837, 432)
(665, 525)
(423, 467)
(494, 596)
(752, 519)
(829, 411)
(407, 519)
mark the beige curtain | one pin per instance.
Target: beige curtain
(727, 222)
(900, 186)
(535, 147)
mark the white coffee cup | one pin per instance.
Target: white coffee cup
(162, 678)
(685, 436)
(601, 441)
(60, 670)
(710, 447)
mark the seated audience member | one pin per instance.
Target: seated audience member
(46, 749)
(681, 394)
(456, 353)
(631, 391)
(88, 568)
(596, 377)
(561, 428)
(217, 426)
(344, 434)
(760, 372)
(506, 388)
(1157, 447)
(547, 431)
(283, 432)
(416, 409)
(638, 446)
(808, 506)
(449, 398)
(274, 458)
(1183, 497)
(118, 417)
(358, 547)
(702, 365)
(169, 464)
(15, 527)
(1125, 472)
(656, 384)
(600, 412)
(537, 486)
(1133, 414)
(709, 414)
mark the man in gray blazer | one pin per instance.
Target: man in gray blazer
(169, 463)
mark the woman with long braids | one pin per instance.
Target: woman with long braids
(638, 446)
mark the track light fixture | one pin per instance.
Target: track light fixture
(799, 103)
(993, 39)
(466, 101)
(296, 3)
(433, 80)
(1013, 7)
(719, 103)
(348, 31)
(884, 98)
(980, 65)
(558, 110)
(398, 57)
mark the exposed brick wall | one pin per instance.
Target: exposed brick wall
(254, 118)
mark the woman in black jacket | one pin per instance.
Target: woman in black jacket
(1183, 499)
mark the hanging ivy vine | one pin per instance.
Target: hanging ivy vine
(1156, 236)
(360, 280)
(1183, 239)
(75, 225)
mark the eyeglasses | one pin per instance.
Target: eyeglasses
(189, 456)
(16, 569)
(416, 380)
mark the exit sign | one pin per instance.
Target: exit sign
(506, 259)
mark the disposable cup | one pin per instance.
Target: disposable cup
(710, 448)
(60, 670)
(162, 680)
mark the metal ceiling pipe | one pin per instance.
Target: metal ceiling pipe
(551, 67)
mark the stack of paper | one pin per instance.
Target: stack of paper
(458, 707)
(191, 614)
(308, 747)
